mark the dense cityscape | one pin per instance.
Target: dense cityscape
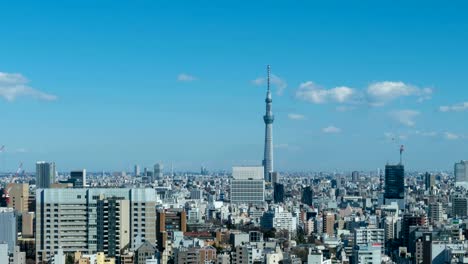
(252, 214)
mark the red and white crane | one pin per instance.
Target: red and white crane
(6, 192)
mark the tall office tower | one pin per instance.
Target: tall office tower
(461, 173)
(248, 185)
(278, 193)
(355, 176)
(268, 118)
(18, 196)
(435, 212)
(158, 171)
(395, 185)
(329, 224)
(169, 221)
(307, 195)
(8, 230)
(69, 218)
(460, 207)
(136, 171)
(143, 217)
(113, 226)
(78, 178)
(45, 174)
(429, 180)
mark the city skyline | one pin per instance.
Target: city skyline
(104, 88)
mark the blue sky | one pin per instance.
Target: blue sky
(107, 84)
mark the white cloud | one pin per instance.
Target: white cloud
(331, 130)
(293, 116)
(392, 136)
(14, 85)
(454, 108)
(379, 93)
(426, 133)
(21, 150)
(186, 78)
(451, 136)
(345, 108)
(405, 117)
(275, 80)
(310, 92)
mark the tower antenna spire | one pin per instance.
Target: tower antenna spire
(268, 74)
(402, 148)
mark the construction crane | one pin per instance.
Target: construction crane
(6, 191)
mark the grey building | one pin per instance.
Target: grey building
(429, 180)
(247, 185)
(461, 173)
(45, 174)
(8, 229)
(158, 171)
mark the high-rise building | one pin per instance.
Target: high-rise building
(18, 196)
(158, 171)
(355, 176)
(168, 222)
(461, 173)
(248, 185)
(78, 178)
(307, 195)
(69, 218)
(113, 226)
(45, 174)
(395, 185)
(8, 229)
(136, 171)
(429, 180)
(268, 118)
(278, 193)
(435, 212)
(411, 219)
(275, 177)
(460, 206)
(148, 175)
(329, 224)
